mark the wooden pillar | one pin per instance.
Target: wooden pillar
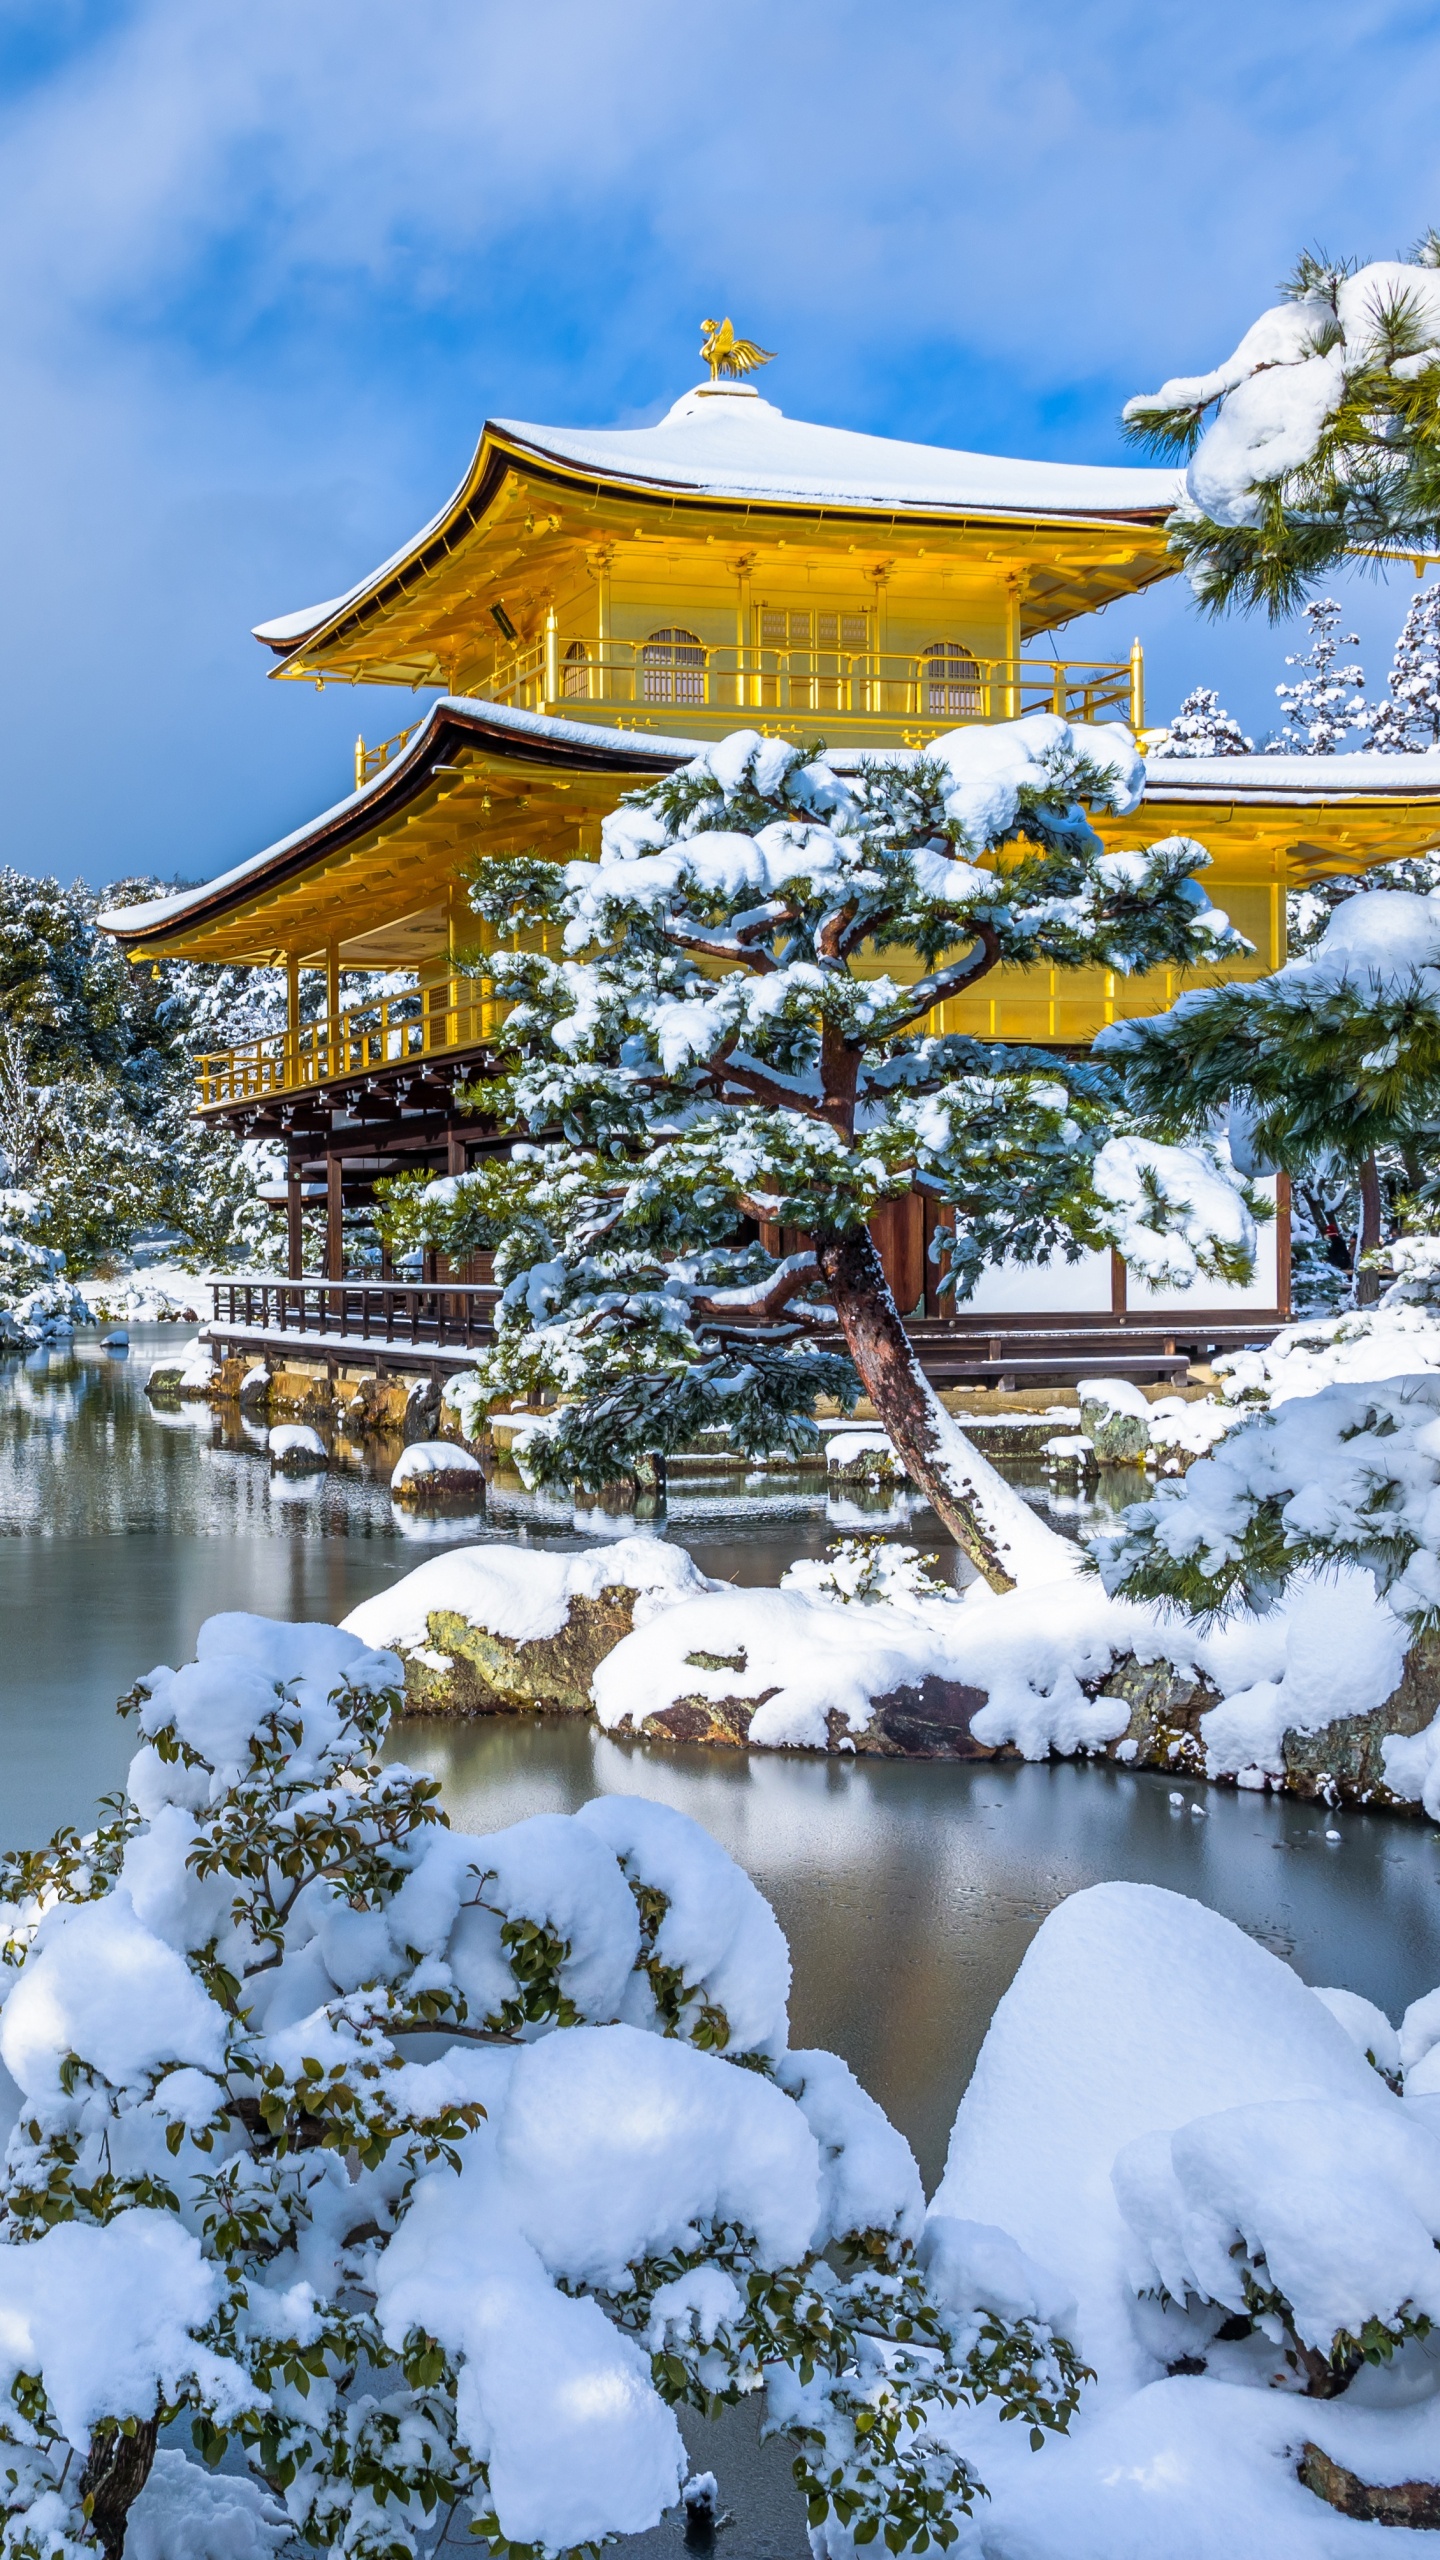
(334, 1218)
(1119, 1283)
(1282, 1243)
(334, 1061)
(292, 1017)
(294, 1228)
(454, 1152)
(939, 1220)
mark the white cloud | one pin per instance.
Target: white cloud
(263, 268)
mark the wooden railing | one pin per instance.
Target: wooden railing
(423, 1022)
(439, 1314)
(922, 693)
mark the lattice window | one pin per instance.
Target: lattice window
(575, 675)
(782, 627)
(952, 681)
(672, 665)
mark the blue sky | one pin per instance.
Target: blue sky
(265, 269)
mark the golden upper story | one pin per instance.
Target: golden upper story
(734, 565)
(590, 603)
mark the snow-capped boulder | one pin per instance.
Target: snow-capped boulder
(437, 1474)
(1115, 1417)
(296, 1448)
(484, 1629)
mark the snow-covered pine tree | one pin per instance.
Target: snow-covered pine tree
(1203, 727)
(707, 1041)
(1319, 436)
(430, 2175)
(1408, 720)
(1327, 702)
(1332, 1059)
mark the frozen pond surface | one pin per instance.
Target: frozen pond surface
(909, 1891)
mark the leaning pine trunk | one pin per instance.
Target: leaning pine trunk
(1367, 1283)
(984, 1515)
(116, 2470)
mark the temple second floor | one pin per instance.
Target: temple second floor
(376, 882)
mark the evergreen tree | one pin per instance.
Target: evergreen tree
(1321, 709)
(1332, 1060)
(1319, 437)
(1201, 727)
(1408, 721)
(717, 1053)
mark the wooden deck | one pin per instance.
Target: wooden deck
(434, 1326)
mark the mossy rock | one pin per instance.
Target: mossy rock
(1343, 1762)
(1166, 1706)
(466, 1670)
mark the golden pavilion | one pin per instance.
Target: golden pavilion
(590, 604)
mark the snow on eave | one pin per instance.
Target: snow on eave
(754, 454)
(587, 747)
(1288, 781)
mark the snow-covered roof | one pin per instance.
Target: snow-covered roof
(1220, 780)
(731, 443)
(1290, 780)
(726, 442)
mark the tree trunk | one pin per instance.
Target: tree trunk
(1367, 1283)
(923, 1434)
(116, 2470)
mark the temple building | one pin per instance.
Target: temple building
(591, 604)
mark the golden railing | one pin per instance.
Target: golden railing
(925, 693)
(372, 760)
(423, 1022)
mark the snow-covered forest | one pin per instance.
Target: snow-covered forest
(99, 1144)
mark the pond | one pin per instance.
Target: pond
(908, 1890)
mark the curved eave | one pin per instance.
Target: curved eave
(485, 733)
(498, 451)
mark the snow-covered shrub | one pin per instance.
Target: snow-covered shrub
(1317, 2222)
(873, 1570)
(434, 2171)
(1350, 1475)
(1167, 2119)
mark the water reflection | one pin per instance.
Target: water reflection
(123, 1526)
(910, 1890)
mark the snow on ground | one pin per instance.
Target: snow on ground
(812, 1650)
(524, 1594)
(161, 1293)
(1160, 2101)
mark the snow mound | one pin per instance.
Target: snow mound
(1134, 2012)
(434, 1458)
(522, 1594)
(295, 1444)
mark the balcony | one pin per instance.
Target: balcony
(433, 1020)
(676, 682)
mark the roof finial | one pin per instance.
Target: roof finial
(728, 356)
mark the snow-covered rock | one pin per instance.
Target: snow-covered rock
(1115, 1417)
(1159, 2105)
(296, 1447)
(483, 1628)
(187, 1374)
(438, 1472)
